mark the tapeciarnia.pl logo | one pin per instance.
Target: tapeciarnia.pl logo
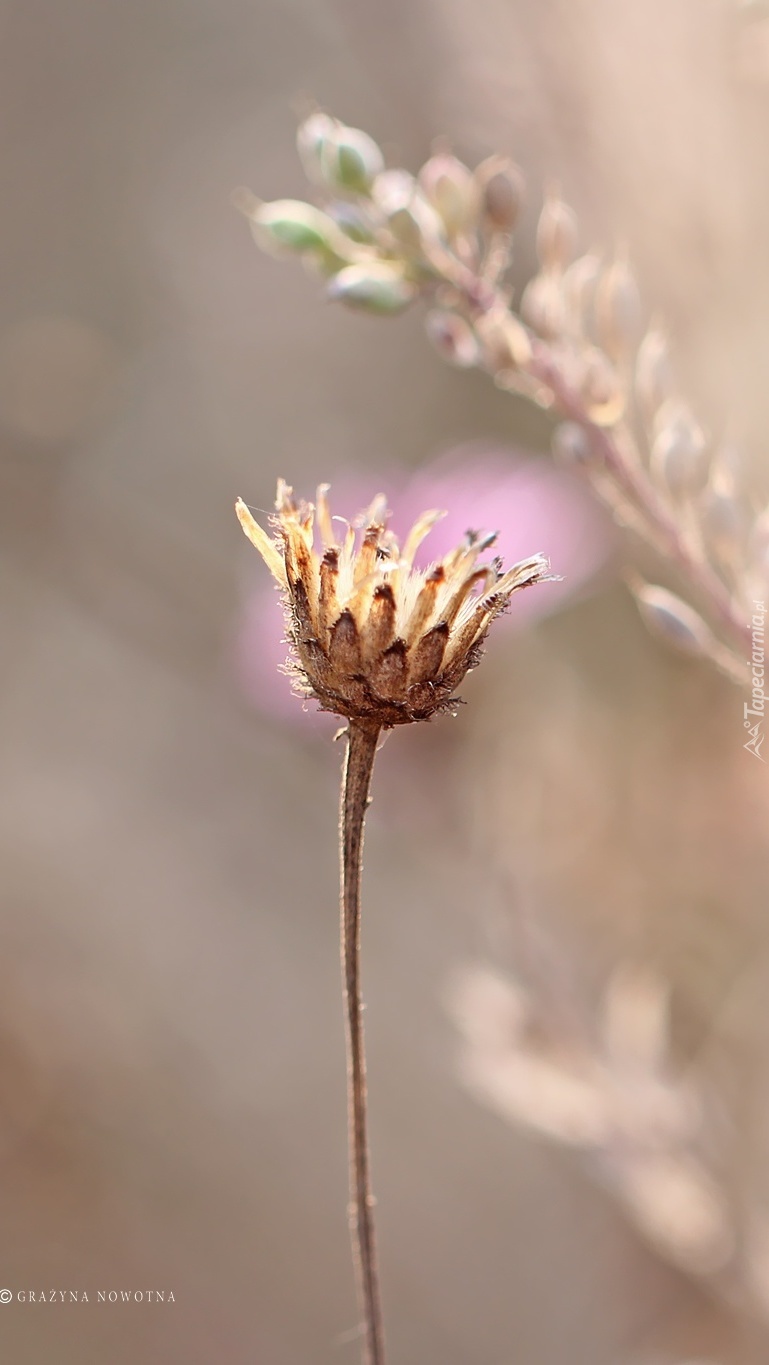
(753, 712)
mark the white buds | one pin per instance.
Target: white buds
(673, 620)
(376, 287)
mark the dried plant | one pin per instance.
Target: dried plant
(579, 344)
(614, 1091)
(382, 644)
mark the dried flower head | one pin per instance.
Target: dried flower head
(374, 638)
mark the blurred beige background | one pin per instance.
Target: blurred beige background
(172, 1101)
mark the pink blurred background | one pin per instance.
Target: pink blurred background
(172, 1108)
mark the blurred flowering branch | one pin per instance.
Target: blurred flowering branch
(578, 344)
(648, 1123)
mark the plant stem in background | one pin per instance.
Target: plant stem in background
(356, 780)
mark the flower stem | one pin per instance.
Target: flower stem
(356, 780)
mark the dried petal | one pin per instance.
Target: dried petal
(424, 608)
(389, 674)
(380, 626)
(427, 656)
(344, 651)
(260, 539)
(329, 601)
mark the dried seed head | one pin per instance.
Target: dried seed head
(501, 190)
(556, 234)
(373, 638)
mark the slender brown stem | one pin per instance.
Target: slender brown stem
(356, 780)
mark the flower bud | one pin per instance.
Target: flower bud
(617, 311)
(542, 306)
(376, 287)
(673, 620)
(336, 156)
(452, 338)
(289, 225)
(350, 160)
(571, 447)
(352, 221)
(679, 455)
(578, 289)
(654, 375)
(601, 389)
(556, 234)
(311, 136)
(723, 518)
(503, 340)
(392, 189)
(501, 189)
(449, 186)
(414, 225)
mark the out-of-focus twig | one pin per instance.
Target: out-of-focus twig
(578, 344)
